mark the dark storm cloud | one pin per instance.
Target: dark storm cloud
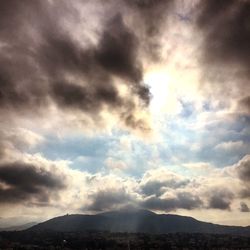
(117, 51)
(114, 56)
(75, 96)
(244, 104)
(182, 200)
(20, 77)
(220, 199)
(245, 192)
(152, 12)
(244, 207)
(115, 199)
(41, 62)
(20, 182)
(109, 199)
(228, 35)
(151, 188)
(219, 203)
(243, 172)
(152, 23)
(158, 187)
(225, 51)
(243, 169)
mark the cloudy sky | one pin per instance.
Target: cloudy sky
(116, 104)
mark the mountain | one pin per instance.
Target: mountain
(19, 227)
(136, 221)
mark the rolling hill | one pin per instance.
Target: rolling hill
(18, 227)
(136, 221)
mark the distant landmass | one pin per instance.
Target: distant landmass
(136, 221)
(19, 227)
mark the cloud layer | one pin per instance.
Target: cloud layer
(21, 182)
(79, 82)
(43, 63)
(225, 53)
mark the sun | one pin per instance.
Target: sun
(164, 96)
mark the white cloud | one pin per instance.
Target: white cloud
(231, 146)
(113, 163)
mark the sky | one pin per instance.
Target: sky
(120, 104)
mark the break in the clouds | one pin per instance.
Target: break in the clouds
(131, 103)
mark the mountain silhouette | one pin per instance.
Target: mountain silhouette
(135, 221)
(18, 227)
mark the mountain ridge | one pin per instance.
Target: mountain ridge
(20, 227)
(139, 221)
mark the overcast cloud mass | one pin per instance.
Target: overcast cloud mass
(116, 104)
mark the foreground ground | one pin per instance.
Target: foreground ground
(109, 241)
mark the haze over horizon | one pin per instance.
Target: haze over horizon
(114, 104)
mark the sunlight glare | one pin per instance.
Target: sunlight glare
(164, 98)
